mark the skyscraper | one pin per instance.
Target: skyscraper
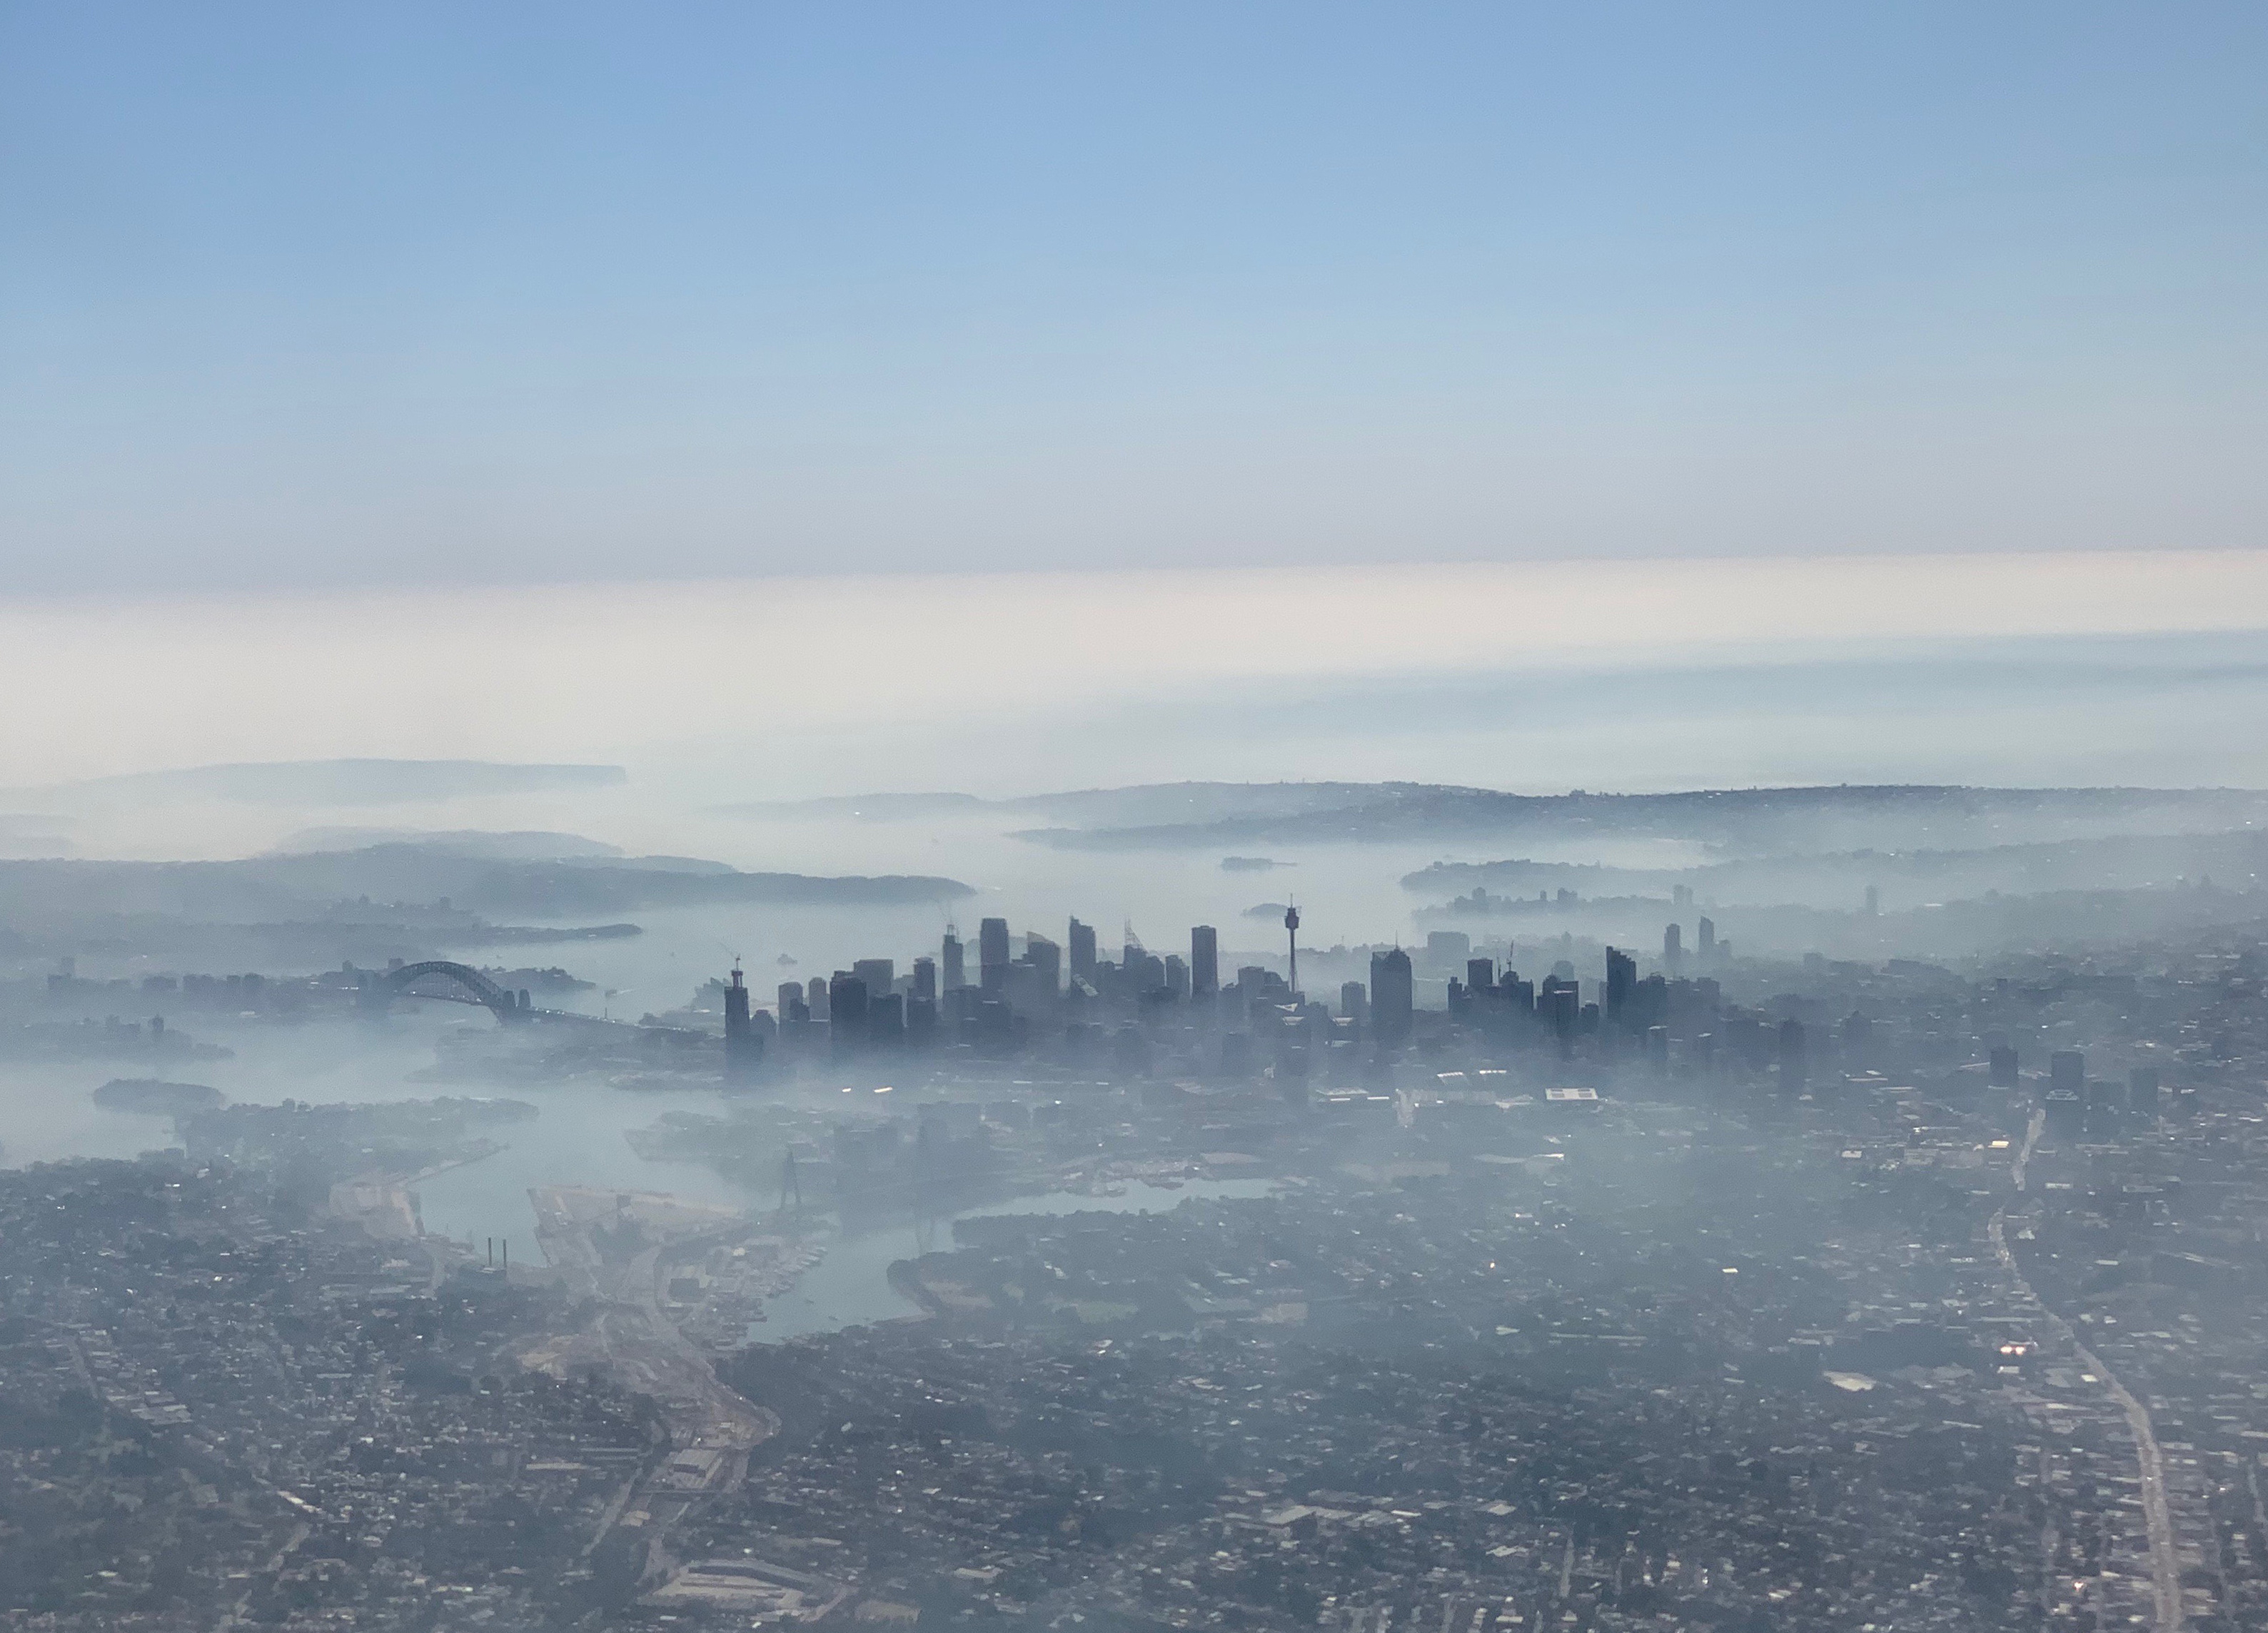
(846, 1009)
(1046, 959)
(1673, 950)
(1704, 938)
(744, 1050)
(955, 971)
(1081, 943)
(925, 979)
(1204, 961)
(1622, 980)
(992, 953)
(1392, 997)
(1291, 941)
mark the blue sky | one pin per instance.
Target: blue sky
(297, 295)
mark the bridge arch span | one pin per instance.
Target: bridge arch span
(504, 1006)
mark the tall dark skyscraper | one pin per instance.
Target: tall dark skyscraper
(1673, 949)
(1621, 981)
(1704, 938)
(1080, 945)
(992, 953)
(951, 957)
(925, 979)
(1204, 961)
(744, 1050)
(846, 1008)
(1392, 997)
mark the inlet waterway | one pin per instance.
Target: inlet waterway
(850, 1286)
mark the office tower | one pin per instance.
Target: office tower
(1657, 1050)
(2142, 1090)
(1480, 976)
(1703, 1055)
(2067, 1072)
(1204, 961)
(1142, 972)
(1622, 980)
(744, 1050)
(1445, 949)
(879, 975)
(1082, 951)
(955, 971)
(1704, 939)
(1046, 960)
(1354, 1002)
(925, 980)
(846, 1007)
(815, 997)
(1559, 1005)
(1392, 997)
(791, 1000)
(1673, 950)
(886, 1018)
(1177, 977)
(992, 953)
(1793, 1068)
(2002, 1073)
(1291, 941)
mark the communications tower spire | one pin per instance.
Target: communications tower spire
(1292, 936)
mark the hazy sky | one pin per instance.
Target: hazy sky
(2013, 669)
(314, 295)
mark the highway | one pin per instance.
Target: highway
(2165, 1559)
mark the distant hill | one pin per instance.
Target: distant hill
(1743, 821)
(1735, 822)
(275, 889)
(503, 847)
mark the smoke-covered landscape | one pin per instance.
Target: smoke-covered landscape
(1132, 819)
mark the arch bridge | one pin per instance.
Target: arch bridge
(475, 987)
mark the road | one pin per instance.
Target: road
(2165, 1559)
